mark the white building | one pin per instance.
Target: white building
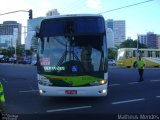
(10, 34)
(9, 40)
(52, 12)
(142, 39)
(110, 38)
(119, 30)
(6, 41)
(158, 41)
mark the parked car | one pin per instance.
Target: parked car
(23, 60)
(12, 60)
(4, 59)
(27, 61)
(111, 62)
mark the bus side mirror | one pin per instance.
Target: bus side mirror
(34, 59)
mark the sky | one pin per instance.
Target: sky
(140, 19)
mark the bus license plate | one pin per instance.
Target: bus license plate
(71, 92)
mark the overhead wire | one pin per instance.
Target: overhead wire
(126, 6)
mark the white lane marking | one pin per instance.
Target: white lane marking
(114, 84)
(127, 101)
(29, 91)
(155, 80)
(73, 108)
(157, 96)
(133, 83)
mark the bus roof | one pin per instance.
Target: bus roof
(144, 49)
(73, 15)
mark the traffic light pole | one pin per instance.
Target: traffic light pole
(30, 12)
(138, 54)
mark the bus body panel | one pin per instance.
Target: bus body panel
(74, 91)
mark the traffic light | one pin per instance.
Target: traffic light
(30, 14)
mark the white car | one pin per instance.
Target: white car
(111, 62)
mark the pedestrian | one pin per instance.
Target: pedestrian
(2, 99)
(140, 65)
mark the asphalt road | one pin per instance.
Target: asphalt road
(126, 95)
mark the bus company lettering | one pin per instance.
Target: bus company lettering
(53, 68)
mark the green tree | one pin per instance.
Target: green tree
(7, 52)
(11, 51)
(28, 52)
(112, 53)
(20, 50)
(129, 43)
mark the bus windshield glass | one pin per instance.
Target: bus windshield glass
(121, 54)
(72, 55)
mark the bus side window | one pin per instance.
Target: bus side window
(149, 53)
(142, 53)
(134, 53)
(130, 54)
(157, 53)
(145, 54)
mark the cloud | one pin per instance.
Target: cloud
(94, 4)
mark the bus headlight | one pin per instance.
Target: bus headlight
(101, 82)
(41, 91)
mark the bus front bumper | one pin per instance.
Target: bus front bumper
(100, 90)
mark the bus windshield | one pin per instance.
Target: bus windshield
(121, 54)
(62, 55)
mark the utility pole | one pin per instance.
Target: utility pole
(138, 54)
(25, 34)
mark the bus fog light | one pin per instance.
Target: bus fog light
(103, 91)
(42, 91)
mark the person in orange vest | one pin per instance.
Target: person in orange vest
(2, 99)
(140, 66)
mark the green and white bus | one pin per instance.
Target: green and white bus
(72, 56)
(128, 56)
